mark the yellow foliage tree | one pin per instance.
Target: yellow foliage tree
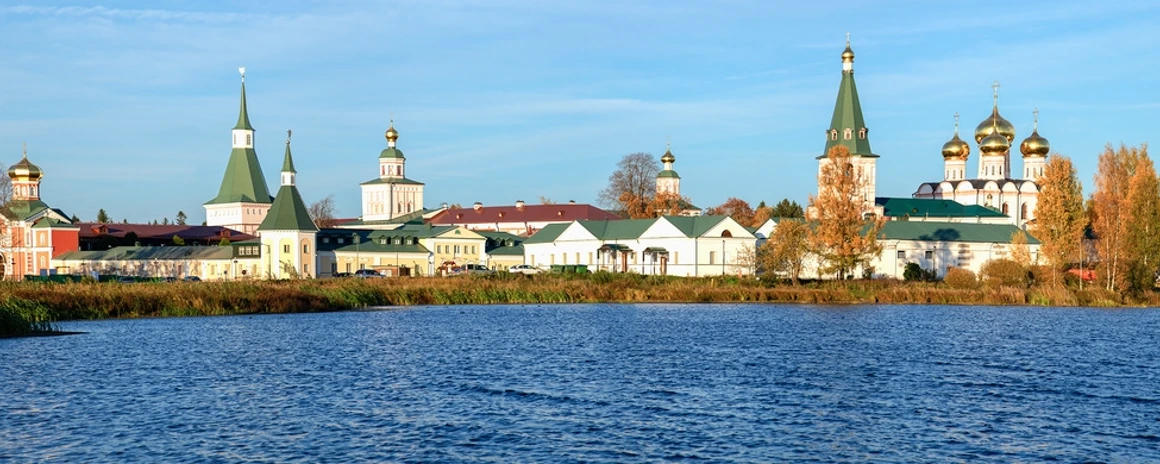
(1059, 215)
(786, 250)
(846, 234)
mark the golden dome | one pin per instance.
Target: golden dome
(956, 148)
(1034, 145)
(995, 123)
(848, 53)
(24, 169)
(668, 157)
(994, 144)
(392, 134)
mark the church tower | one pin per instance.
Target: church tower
(955, 153)
(994, 136)
(1034, 149)
(392, 194)
(25, 178)
(848, 129)
(667, 180)
(287, 233)
(243, 199)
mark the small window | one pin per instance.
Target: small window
(285, 248)
(305, 249)
(325, 239)
(249, 139)
(901, 254)
(848, 134)
(834, 134)
(929, 254)
(862, 133)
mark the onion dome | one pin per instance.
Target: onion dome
(995, 123)
(994, 144)
(391, 151)
(848, 53)
(668, 157)
(956, 148)
(24, 169)
(1035, 145)
(392, 134)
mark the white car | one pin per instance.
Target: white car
(524, 269)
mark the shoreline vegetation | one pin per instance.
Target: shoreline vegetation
(33, 307)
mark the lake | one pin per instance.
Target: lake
(592, 383)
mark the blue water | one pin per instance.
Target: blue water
(592, 383)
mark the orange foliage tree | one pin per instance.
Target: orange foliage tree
(735, 208)
(846, 234)
(1059, 214)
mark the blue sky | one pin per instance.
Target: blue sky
(127, 105)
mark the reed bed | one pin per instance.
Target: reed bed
(38, 303)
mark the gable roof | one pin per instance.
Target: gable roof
(951, 232)
(920, 207)
(695, 226)
(288, 212)
(150, 253)
(92, 230)
(548, 234)
(567, 212)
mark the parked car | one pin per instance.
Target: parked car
(475, 269)
(524, 269)
(170, 279)
(126, 280)
(192, 279)
(339, 275)
(367, 274)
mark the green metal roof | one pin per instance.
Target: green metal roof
(392, 152)
(287, 161)
(23, 209)
(288, 211)
(916, 207)
(150, 253)
(414, 217)
(951, 232)
(243, 113)
(374, 246)
(548, 234)
(392, 180)
(695, 226)
(49, 222)
(848, 115)
(243, 181)
(514, 250)
(617, 230)
(668, 173)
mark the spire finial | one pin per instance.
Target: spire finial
(1036, 115)
(847, 39)
(668, 143)
(242, 71)
(288, 134)
(956, 123)
(995, 92)
(24, 147)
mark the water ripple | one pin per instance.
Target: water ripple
(592, 383)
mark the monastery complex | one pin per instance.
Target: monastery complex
(962, 220)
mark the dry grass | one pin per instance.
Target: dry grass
(111, 300)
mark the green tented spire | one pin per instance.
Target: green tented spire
(847, 128)
(287, 161)
(243, 113)
(288, 211)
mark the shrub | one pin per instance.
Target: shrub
(915, 273)
(958, 277)
(1005, 273)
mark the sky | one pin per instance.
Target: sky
(128, 105)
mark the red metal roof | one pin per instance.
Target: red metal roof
(527, 213)
(93, 230)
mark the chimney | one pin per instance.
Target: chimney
(477, 206)
(444, 205)
(520, 205)
(571, 202)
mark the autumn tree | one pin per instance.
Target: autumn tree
(1141, 234)
(669, 204)
(735, 208)
(546, 201)
(1059, 214)
(1020, 251)
(786, 250)
(1109, 205)
(846, 235)
(634, 180)
(322, 212)
(5, 186)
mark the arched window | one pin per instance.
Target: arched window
(834, 134)
(848, 134)
(1005, 209)
(862, 133)
(727, 234)
(1023, 212)
(989, 198)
